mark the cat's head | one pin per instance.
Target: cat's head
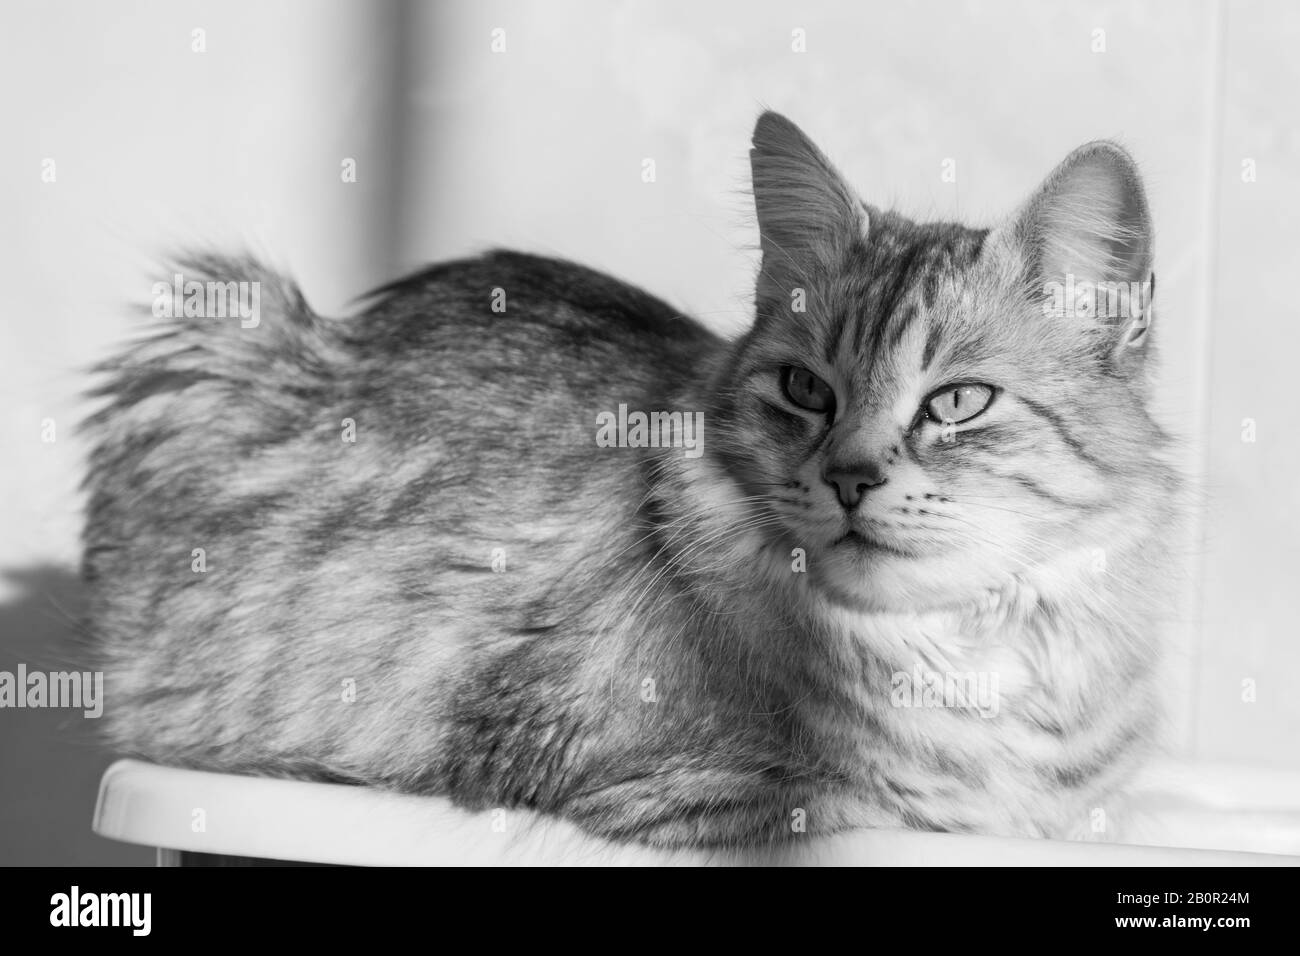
(927, 409)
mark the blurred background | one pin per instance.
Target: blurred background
(347, 142)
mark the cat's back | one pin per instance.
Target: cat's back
(537, 336)
(469, 375)
(275, 503)
(514, 294)
(465, 341)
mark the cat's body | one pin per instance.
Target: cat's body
(476, 598)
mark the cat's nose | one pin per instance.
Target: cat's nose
(851, 482)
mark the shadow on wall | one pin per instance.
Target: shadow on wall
(50, 758)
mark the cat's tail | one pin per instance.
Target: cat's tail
(224, 323)
(233, 361)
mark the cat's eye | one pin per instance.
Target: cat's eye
(806, 390)
(958, 403)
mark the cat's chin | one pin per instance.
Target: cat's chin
(869, 576)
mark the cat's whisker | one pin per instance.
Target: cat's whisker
(980, 504)
(698, 543)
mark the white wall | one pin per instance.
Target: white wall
(158, 147)
(541, 147)
(1250, 596)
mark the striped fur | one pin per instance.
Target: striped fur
(680, 651)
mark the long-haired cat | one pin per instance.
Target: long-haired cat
(523, 535)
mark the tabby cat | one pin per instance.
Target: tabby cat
(525, 536)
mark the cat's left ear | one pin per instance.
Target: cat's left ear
(807, 212)
(1086, 240)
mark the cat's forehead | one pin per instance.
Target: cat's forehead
(905, 267)
(893, 241)
(902, 296)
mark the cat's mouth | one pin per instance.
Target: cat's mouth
(863, 540)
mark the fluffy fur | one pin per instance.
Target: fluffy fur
(683, 651)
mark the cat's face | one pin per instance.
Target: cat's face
(907, 412)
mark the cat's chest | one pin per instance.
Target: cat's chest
(950, 722)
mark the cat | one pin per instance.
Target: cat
(911, 577)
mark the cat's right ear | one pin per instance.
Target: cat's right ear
(806, 210)
(1089, 227)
